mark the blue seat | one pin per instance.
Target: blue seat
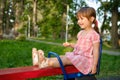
(76, 74)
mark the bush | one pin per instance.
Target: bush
(21, 37)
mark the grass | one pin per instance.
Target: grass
(15, 53)
(109, 66)
(18, 53)
(107, 46)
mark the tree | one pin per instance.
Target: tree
(53, 12)
(112, 7)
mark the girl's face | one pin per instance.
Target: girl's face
(84, 22)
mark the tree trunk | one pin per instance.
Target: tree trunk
(102, 28)
(1, 15)
(34, 17)
(4, 17)
(114, 31)
(18, 13)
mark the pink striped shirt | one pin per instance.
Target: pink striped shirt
(82, 57)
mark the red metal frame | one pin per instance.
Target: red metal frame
(23, 73)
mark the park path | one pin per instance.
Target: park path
(110, 52)
(110, 78)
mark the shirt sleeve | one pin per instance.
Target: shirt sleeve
(96, 38)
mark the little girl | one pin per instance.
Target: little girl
(86, 50)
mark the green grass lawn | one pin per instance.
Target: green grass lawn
(18, 53)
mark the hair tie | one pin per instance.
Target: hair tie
(96, 26)
(96, 23)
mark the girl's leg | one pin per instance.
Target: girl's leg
(51, 62)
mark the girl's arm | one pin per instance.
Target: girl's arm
(95, 57)
(67, 44)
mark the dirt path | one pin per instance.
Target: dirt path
(103, 51)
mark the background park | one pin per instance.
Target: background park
(46, 24)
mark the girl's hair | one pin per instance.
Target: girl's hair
(88, 12)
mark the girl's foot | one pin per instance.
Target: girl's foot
(43, 62)
(41, 55)
(34, 56)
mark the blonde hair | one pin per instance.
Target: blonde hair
(88, 12)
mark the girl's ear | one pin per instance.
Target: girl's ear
(92, 19)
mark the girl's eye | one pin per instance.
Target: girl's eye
(81, 18)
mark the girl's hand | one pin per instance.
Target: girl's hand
(94, 70)
(66, 44)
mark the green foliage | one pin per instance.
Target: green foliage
(50, 25)
(51, 16)
(54, 20)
